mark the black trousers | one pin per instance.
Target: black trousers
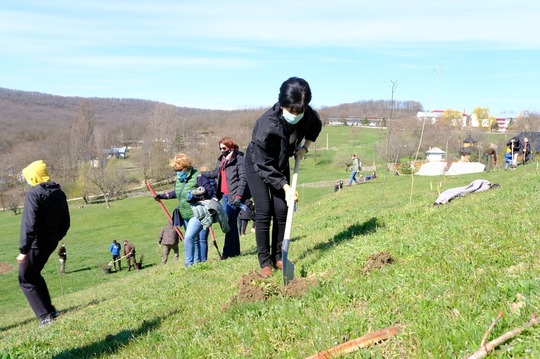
(33, 284)
(271, 213)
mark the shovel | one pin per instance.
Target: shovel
(288, 267)
(215, 244)
(165, 211)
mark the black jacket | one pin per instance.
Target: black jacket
(270, 147)
(236, 177)
(517, 144)
(45, 217)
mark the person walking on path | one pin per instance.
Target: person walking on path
(115, 249)
(285, 130)
(232, 190)
(355, 168)
(129, 253)
(44, 223)
(62, 256)
(169, 239)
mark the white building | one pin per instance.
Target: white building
(435, 154)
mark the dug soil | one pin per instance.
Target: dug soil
(377, 261)
(253, 287)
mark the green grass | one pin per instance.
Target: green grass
(455, 267)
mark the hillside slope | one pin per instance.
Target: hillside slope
(369, 257)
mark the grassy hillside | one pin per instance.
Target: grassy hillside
(367, 258)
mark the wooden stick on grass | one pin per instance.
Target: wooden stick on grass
(490, 346)
(486, 335)
(358, 343)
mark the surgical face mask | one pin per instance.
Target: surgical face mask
(290, 118)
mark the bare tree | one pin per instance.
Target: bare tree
(82, 134)
(160, 123)
(106, 178)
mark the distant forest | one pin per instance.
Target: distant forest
(31, 117)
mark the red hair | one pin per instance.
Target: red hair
(229, 143)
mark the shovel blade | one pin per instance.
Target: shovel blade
(288, 271)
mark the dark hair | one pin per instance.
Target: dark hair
(229, 143)
(294, 95)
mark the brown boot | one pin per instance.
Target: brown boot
(279, 264)
(266, 272)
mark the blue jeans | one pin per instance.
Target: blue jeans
(353, 178)
(195, 242)
(231, 247)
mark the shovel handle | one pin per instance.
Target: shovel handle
(154, 194)
(215, 244)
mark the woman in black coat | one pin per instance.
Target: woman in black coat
(232, 190)
(285, 130)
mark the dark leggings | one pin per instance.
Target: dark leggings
(33, 284)
(271, 209)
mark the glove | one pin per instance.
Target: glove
(237, 201)
(157, 197)
(289, 195)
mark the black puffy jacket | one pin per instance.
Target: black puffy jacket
(235, 174)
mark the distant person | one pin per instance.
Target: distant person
(490, 154)
(525, 151)
(336, 187)
(115, 249)
(232, 190)
(355, 168)
(169, 239)
(514, 146)
(247, 214)
(129, 253)
(44, 223)
(62, 256)
(285, 130)
(340, 184)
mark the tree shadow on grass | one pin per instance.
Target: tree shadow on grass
(112, 343)
(79, 270)
(357, 229)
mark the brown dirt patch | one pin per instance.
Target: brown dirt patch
(299, 286)
(6, 268)
(252, 287)
(377, 261)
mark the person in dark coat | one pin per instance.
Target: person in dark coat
(514, 146)
(169, 239)
(129, 253)
(44, 223)
(232, 190)
(62, 256)
(247, 213)
(285, 130)
(525, 151)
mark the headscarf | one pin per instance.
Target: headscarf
(36, 173)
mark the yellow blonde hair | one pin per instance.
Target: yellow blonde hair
(180, 161)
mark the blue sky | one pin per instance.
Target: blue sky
(235, 54)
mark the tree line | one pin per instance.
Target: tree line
(71, 133)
